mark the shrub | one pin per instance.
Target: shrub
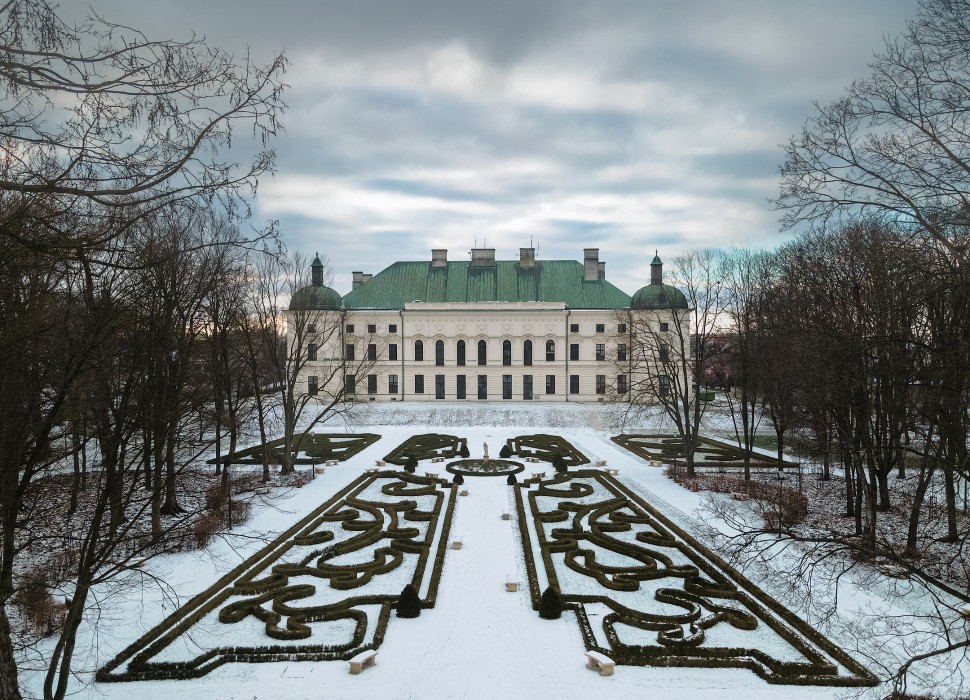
(39, 608)
(511, 481)
(463, 452)
(459, 479)
(408, 604)
(206, 526)
(559, 463)
(411, 464)
(216, 497)
(550, 605)
(240, 512)
(505, 452)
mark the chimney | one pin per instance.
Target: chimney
(358, 279)
(602, 271)
(591, 264)
(527, 258)
(483, 258)
(439, 257)
(365, 277)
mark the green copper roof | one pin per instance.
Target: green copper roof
(656, 260)
(315, 297)
(659, 296)
(549, 280)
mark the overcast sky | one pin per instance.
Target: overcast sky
(626, 126)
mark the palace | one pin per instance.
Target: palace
(479, 329)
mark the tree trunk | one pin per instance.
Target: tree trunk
(8, 666)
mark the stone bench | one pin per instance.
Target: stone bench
(364, 659)
(613, 471)
(538, 475)
(506, 515)
(739, 496)
(601, 463)
(437, 459)
(380, 463)
(512, 586)
(319, 470)
(596, 661)
(456, 543)
(332, 462)
(531, 459)
(431, 475)
(371, 470)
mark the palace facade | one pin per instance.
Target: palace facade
(478, 329)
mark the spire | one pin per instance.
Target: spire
(316, 271)
(656, 269)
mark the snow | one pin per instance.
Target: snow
(480, 641)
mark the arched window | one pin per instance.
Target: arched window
(439, 353)
(507, 352)
(418, 351)
(550, 351)
(482, 352)
(527, 353)
(461, 353)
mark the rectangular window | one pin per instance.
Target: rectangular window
(573, 383)
(371, 351)
(312, 388)
(460, 391)
(664, 327)
(550, 383)
(350, 384)
(621, 352)
(392, 384)
(461, 353)
(574, 351)
(371, 383)
(392, 328)
(439, 386)
(311, 352)
(664, 352)
(574, 328)
(601, 328)
(439, 353)
(482, 351)
(372, 328)
(621, 328)
(664, 387)
(350, 327)
(392, 351)
(600, 384)
(418, 383)
(550, 351)
(311, 328)
(482, 386)
(600, 352)
(621, 384)
(506, 386)
(527, 387)
(349, 351)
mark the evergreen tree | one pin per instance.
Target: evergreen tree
(459, 479)
(505, 452)
(511, 481)
(559, 463)
(550, 605)
(463, 452)
(411, 464)
(408, 604)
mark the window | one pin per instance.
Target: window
(461, 353)
(506, 353)
(573, 383)
(664, 327)
(350, 384)
(621, 328)
(312, 388)
(601, 384)
(392, 384)
(550, 351)
(372, 328)
(311, 328)
(350, 327)
(349, 351)
(311, 352)
(439, 353)
(371, 383)
(621, 384)
(664, 387)
(574, 351)
(600, 352)
(371, 351)
(601, 328)
(418, 351)
(550, 383)
(621, 352)
(527, 387)
(527, 353)
(506, 386)
(392, 328)
(460, 393)
(418, 383)
(392, 351)
(482, 351)
(439, 386)
(482, 386)
(574, 328)
(664, 352)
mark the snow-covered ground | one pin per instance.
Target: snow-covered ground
(480, 641)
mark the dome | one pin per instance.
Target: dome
(316, 297)
(659, 296)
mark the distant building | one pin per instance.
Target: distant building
(483, 329)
